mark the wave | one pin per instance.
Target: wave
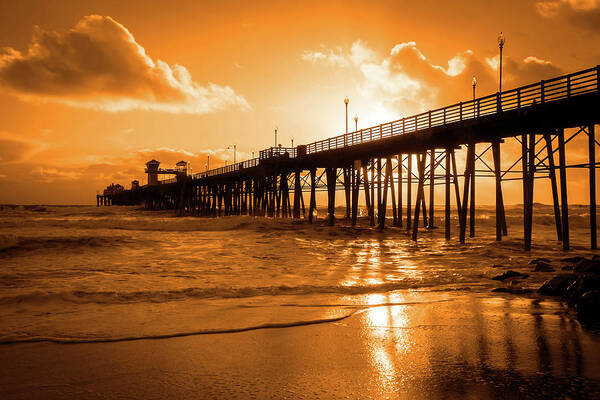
(8, 242)
(141, 223)
(163, 296)
(136, 219)
(349, 310)
(60, 340)
(13, 243)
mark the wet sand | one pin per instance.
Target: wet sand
(457, 345)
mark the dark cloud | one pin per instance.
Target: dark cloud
(14, 150)
(580, 13)
(98, 64)
(530, 70)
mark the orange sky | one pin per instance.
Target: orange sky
(92, 91)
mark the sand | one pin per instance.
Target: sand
(451, 346)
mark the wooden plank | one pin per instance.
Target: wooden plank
(372, 209)
(592, 173)
(313, 199)
(388, 172)
(355, 190)
(472, 196)
(526, 151)
(552, 175)
(367, 195)
(331, 182)
(564, 203)
(498, 178)
(447, 196)
(379, 187)
(409, 192)
(347, 189)
(400, 167)
(456, 186)
(420, 193)
(393, 193)
(297, 194)
(463, 215)
(431, 188)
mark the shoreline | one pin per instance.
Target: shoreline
(469, 346)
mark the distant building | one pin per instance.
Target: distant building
(135, 184)
(181, 168)
(113, 189)
(152, 171)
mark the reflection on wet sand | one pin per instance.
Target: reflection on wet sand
(478, 347)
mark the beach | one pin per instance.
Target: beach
(462, 346)
(123, 303)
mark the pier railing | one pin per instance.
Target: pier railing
(546, 91)
(287, 152)
(277, 152)
(228, 168)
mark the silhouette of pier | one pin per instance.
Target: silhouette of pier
(377, 166)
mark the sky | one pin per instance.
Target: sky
(93, 90)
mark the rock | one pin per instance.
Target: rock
(573, 259)
(539, 260)
(567, 268)
(542, 266)
(509, 274)
(589, 304)
(512, 290)
(558, 285)
(498, 266)
(583, 284)
(588, 266)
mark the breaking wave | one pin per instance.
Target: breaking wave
(13, 243)
(275, 325)
(162, 296)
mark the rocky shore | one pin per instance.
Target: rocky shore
(575, 280)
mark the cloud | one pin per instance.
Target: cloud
(330, 56)
(51, 174)
(99, 65)
(95, 172)
(584, 13)
(530, 70)
(358, 54)
(15, 150)
(406, 81)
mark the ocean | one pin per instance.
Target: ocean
(78, 274)
(121, 302)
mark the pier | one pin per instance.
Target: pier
(378, 166)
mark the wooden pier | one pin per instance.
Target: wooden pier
(377, 166)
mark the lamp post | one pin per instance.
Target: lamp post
(234, 151)
(474, 85)
(292, 142)
(346, 101)
(356, 123)
(208, 162)
(501, 41)
(275, 136)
